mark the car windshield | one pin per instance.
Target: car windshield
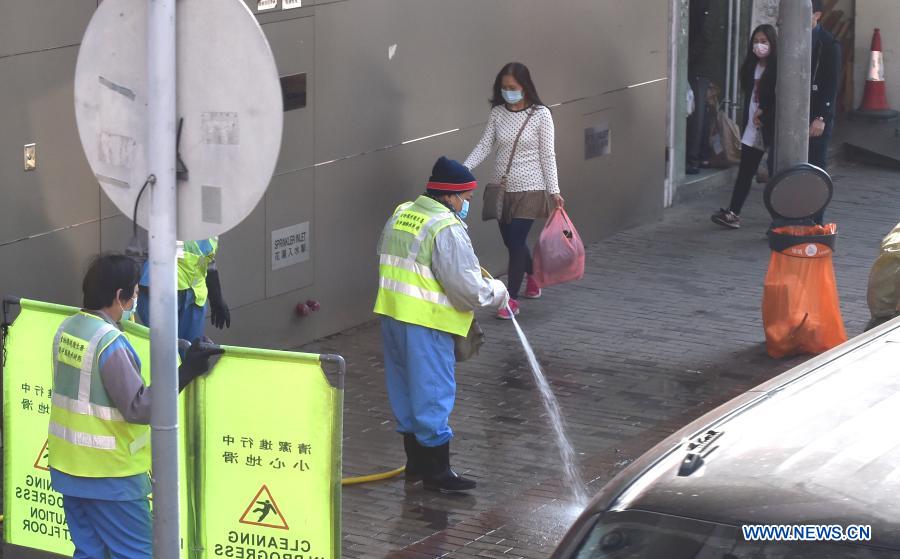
(646, 535)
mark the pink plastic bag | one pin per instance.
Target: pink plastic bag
(559, 254)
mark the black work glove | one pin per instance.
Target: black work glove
(218, 310)
(196, 361)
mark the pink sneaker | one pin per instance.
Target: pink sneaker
(503, 314)
(532, 290)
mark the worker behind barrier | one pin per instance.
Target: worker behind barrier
(99, 438)
(198, 284)
(430, 281)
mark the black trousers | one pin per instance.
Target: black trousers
(750, 159)
(818, 156)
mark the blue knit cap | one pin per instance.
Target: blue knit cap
(448, 175)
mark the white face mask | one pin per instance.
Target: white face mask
(128, 313)
(761, 50)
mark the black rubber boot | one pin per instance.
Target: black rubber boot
(416, 464)
(440, 476)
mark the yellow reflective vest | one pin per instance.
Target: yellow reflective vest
(407, 288)
(88, 437)
(193, 265)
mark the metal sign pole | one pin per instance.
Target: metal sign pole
(125, 106)
(792, 88)
(161, 111)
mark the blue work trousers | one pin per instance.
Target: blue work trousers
(421, 385)
(109, 529)
(191, 318)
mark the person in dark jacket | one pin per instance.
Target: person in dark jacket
(706, 66)
(825, 74)
(758, 76)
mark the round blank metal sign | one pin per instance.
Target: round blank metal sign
(798, 193)
(229, 97)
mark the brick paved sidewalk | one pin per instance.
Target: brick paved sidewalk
(665, 325)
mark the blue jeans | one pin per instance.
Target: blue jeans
(515, 237)
(109, 529)
(421, 384)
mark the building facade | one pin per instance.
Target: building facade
(377, 90)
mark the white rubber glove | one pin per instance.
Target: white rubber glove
(501, 295)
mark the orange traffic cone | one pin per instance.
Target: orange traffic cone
(874, 105)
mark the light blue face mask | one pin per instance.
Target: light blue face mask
(128, 313)
(464, 211)
(512, 96)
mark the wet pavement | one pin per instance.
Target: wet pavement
(665, 326)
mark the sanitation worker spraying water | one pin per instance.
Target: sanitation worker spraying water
(429, 283)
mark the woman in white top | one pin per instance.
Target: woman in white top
(532, 179)
(758, 75)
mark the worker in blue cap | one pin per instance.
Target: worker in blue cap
(430, 282)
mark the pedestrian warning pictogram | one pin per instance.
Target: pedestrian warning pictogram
(41, 462)
(264, 511)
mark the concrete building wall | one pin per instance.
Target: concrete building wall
(380, 74)
(885, 15)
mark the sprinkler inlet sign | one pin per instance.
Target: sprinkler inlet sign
(290, 245)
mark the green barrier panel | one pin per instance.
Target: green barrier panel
(33, 512)
(268, 430)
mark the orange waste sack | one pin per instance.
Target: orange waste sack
(800, 308)
(559, 254)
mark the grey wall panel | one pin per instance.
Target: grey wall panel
(290, 201)
(442, 72)
(368, 100)
(30, 26)
(115, 232)
(624, 188)
(115, 228)
(36, 106)
(49, 267)
(271, 323)
(293, 45)
(242, 259)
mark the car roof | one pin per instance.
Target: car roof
(819, 444)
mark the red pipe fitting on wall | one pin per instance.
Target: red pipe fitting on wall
(305, 309)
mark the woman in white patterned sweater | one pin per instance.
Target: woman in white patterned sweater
(532, 178)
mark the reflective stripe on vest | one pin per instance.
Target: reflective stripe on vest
(193, 266)
(108, 413)
(407, 288)
(88, 436)
(77, 438)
